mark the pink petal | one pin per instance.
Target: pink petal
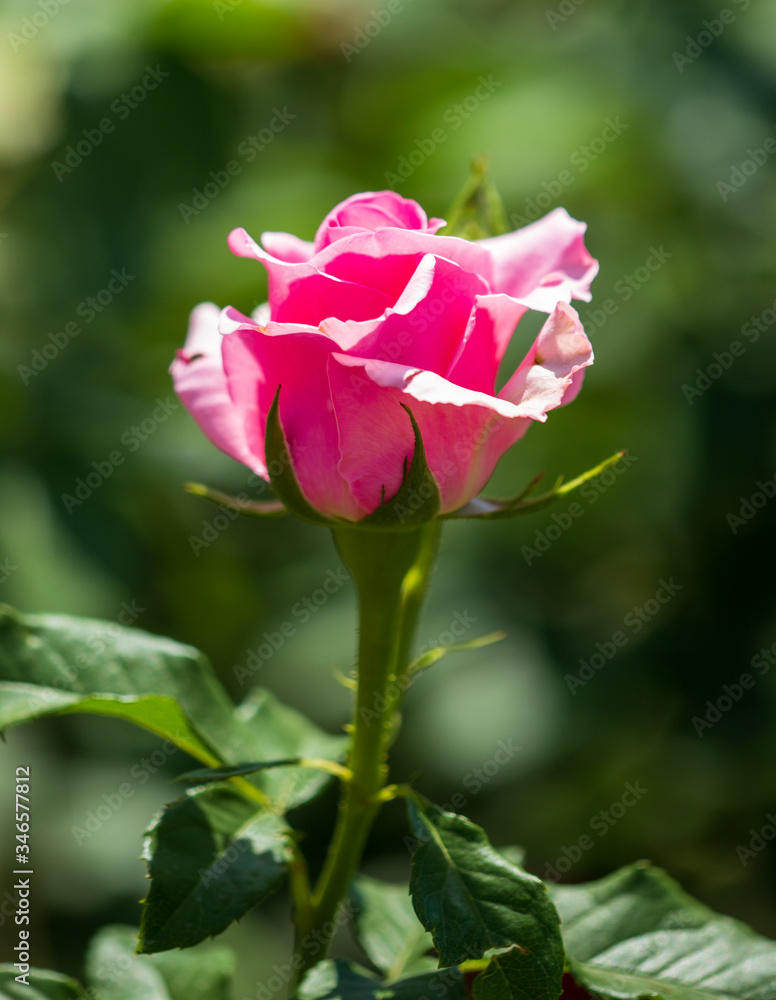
(373, 210)
(200, 381)
(551, 373)
(464, 432)
(543, 263)
(387, 259)
(284, 246)
(302, 293)
(491, 326)
(256, 363)
(426, 326)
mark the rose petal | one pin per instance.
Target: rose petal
(543, 263)
(370, 211)
(551, 373)
(426, 326)
(284, 246)
(491, 326)
(464, 432)
(256, 363)
(200, 382)
(302, 293)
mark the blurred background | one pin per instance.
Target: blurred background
(117, 123)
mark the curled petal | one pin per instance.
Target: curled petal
(303, 293)
(288, 248)
(200, 381)
(544, 263)
(551, 373)
(370, 211)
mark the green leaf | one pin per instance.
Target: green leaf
(388, 929)
(478, 211)
(281, 473)
(271, 731)
(338, 980)
(250, 508)
(55, 664)
(211, 857)
(474, 901)
(637, 934)
(115, 972)
(485, 509)
(417, 500)
(203, 775)
(42, 985)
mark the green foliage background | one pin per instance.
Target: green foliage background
(557, 80)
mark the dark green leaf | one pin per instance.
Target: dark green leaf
(207, 774)
(417, 500)
(482, 508)
(250, 508)
(341, 981)
(42, 985)
(388, 929)
(473, 901)
(281, 473)
(55, 664)
(211, 857)
(637, 934)
(115, 972)
(269, 730)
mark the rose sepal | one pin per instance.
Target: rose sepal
(251, 508)
(282, 478)
(416, 502)
(491, 509)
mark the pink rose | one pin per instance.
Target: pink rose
(380, 311)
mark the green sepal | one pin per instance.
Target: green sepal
(487, 509)
(212, 856)
(251, 508)
(416, 502)
(478, 211)
(432, 656)
(477, 905)
(637, 934)
(281, 474)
